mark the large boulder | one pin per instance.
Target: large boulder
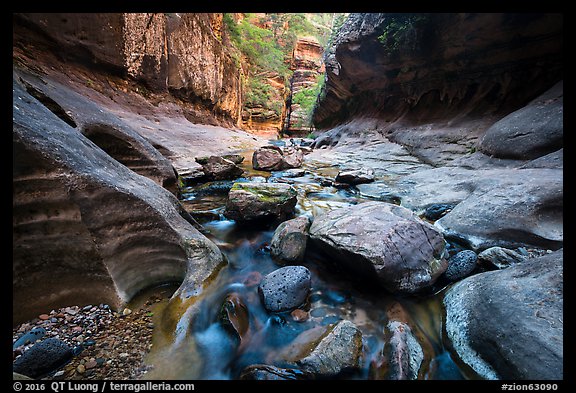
(86, 229)
(382, 242)
(251, 201)
(530, 132)
(508, 324)
(219, 168)
(273, 158)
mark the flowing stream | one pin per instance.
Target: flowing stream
(207, 351)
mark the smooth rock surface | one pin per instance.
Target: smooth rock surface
(508, 324)
(500, 257)
(383, 242)
(289, 241)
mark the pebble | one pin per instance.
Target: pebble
(81, 369)
(126, 312)
(299, 315)
(90, 364)
(58, 373)
(44, 317)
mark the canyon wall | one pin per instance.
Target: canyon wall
(418, 68)
(187, 55)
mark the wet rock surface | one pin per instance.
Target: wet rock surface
(42, 358)
(461, 265)
(285, 289)
(521, 306)
(289, 241)
(383, 242)
(220, 168)
(274, 158)
(253, 201)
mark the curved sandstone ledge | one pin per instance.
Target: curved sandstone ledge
(85, 227)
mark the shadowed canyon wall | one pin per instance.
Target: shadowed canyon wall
(418, 68)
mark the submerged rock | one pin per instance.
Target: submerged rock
(508, 324)
(264, 372)
(382, 242)
(404, 352)
(251, 201)
(234, 316)
(437, 210)
(285, 289)
(326, 351)
(289, 241)
(43, 357)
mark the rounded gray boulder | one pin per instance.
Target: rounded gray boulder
(285, 289)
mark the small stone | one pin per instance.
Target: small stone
(71, 311)
(58, 373)
(299, 315)
(91, 364)
(77, 329)
(126, 311)
(253, 279)
(81, 369)
(124, 355)
(44, 317)
(54, 320)
(87, 308)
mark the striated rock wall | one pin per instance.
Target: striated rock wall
(307, 66)
(86, 229)
(184, 54)
(412, 69)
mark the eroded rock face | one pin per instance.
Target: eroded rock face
(87, 227)
(383, 242)
(254, 201)
(508, 324)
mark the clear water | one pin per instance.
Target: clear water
(195, 344)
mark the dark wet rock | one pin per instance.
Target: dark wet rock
(289, 241)
(437, 210)
(382, 242)
(29, 337)
(355, 176)
(300, 315)
(285, 289)
(508, 324)
(219, 168)
(530, 132)
(326, 351)
(403, 351)
(191, 176)
(252, 201)
(407, 351)
(43, 357)
(500, 257)
(461, 265)
(234, 316)
(263, 372)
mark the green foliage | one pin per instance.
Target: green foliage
(400, 30)
(307, 99)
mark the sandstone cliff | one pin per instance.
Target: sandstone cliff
(184, 54)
